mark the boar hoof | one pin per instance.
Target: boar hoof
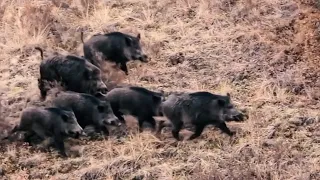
(232, 133)
(63, 155)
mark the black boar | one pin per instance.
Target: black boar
(75, 73)
(136, 101)
(88, 109)
(199, 109)
(115, 47)
(52, 122)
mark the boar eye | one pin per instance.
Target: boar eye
(109, 110)
(99, 95)
(87, 74)
(100, 108)
(128, 41)
(230, 107)
(64, 117)
(138, 36)
(221, 102)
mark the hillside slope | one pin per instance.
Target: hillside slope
(265, 53)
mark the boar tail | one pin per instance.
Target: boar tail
(41, 51)
(27, 101)
(82, 37)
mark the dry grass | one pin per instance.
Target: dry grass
(265, 53)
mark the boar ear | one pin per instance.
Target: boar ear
(96, 71)
(161, 92)
(138, 36)
(64, 117)
(229, 97)
(128, 41)
(221, 102)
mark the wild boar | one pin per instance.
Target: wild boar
(199, 109)
(115, 47)
(136, 101)
(51, 122)
(88, 109)
(73, 72)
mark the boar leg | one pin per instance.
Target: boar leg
(28, 135)
(162, 124)
(223, 127)
(58, 141)
(39, 131)
(140, 120)
(177, 125)
(149, 119)
(41, 87)
(197, 132)
(152, 121)
(123, 67)
(119, 116)
(105, 130)
(50, 143)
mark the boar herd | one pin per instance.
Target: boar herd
(87, 101)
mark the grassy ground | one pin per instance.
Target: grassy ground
(265, 53)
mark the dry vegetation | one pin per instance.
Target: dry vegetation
(265, 53)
